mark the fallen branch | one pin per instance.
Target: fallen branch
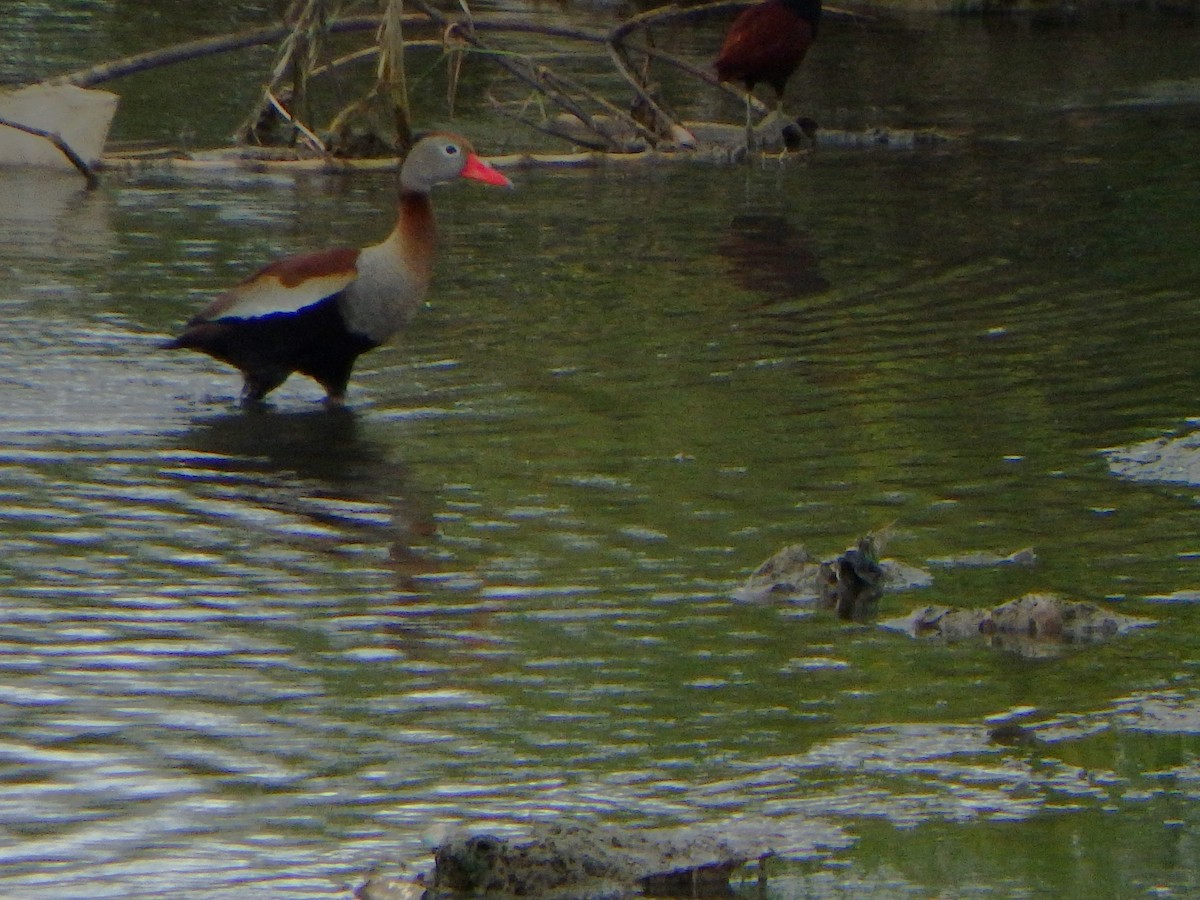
(537, 77)
(75, 159)
(225, 43)
(191, 50)
(166, 56)
(661, 116)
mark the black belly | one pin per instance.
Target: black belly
(314, 341)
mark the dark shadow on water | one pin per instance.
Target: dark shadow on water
(320, 466)
(322, 444)
(341, 471)
(766, 254)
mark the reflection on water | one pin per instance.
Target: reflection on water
(49, 214)
(767, 255)
(257, 652)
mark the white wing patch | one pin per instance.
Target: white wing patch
(266, 294)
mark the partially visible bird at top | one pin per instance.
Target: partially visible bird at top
(767, 43)
(316, 313)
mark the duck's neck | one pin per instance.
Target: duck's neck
(415, 234)
(394, 274)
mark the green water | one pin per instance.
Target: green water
(257, 654)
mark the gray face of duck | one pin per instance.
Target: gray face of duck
(442, 157)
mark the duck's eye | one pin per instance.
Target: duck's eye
(451, 150)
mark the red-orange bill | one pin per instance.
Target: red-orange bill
(479, 170)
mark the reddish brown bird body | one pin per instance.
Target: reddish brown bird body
(316, 313)
(767, 43)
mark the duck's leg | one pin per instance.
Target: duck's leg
(257, 384)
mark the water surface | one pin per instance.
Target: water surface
(254, 654)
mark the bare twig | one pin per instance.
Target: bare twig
(538, 77)
(315, 142)
(548, 129)
(705, 75)
(617, 54)
(612, 109)
(75, 159)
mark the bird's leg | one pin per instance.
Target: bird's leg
(775, 119)
(256, 385)
(749, 124)
(794, 134)
(334, 376)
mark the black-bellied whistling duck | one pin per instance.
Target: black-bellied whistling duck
(316, 313)
(767, 42)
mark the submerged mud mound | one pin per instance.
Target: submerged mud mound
(1033, 625)
(582, 860)
(1174, 460)
(985, 559)
(579, 860)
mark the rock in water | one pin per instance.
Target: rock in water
(585, 861)
(582, 861)
(1032, 625)
(792, 572)
(850, 583)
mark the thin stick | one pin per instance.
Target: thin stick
(391, 72)
(533, 75)
(616, 111)
(707, 77)
(305, 132)
(547, 129)
(76, 160)
(660, 114)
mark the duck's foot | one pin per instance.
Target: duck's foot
(802, 133)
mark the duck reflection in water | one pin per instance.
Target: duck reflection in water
(315, 466)
(767, 255)
(852, 584)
